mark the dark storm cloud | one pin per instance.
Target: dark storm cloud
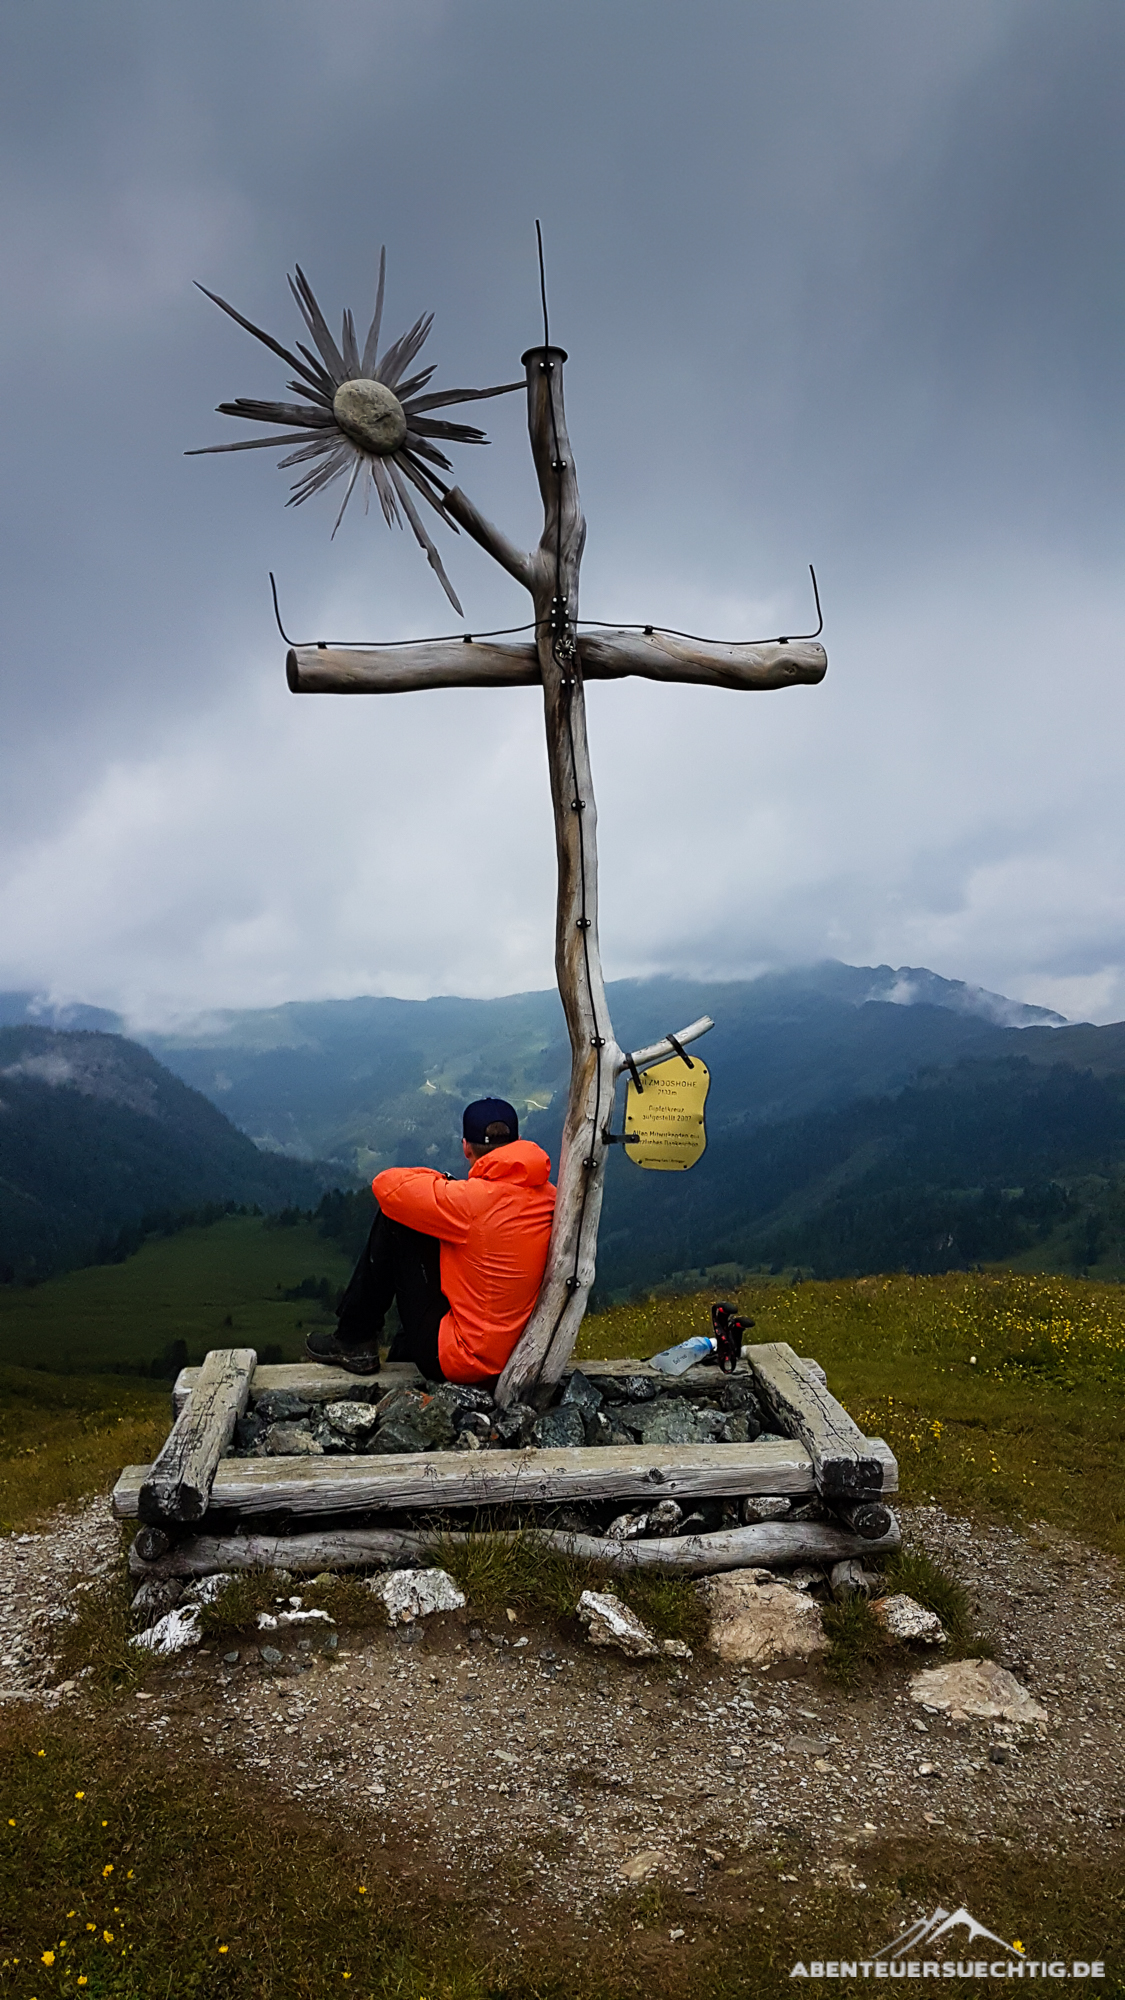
(836, 282)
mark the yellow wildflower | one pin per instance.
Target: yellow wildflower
(224, 1947)
(48, 1957)
(108, 1869)
(79, 1795)
(108, 1936)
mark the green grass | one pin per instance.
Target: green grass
(148, 1875)
(1001, 1394)
(501, 1569)
(214, 1287)
(64, 1437)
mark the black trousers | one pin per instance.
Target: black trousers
(403, 1266)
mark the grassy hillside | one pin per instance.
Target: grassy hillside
(997, 1392)
(96, 1134)
(215, 1287)
(982, 1163)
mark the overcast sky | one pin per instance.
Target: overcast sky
(840, 282)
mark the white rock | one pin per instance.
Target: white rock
(754, 1623)
(206, 1589)
(977, 1688)
(765, 1507)
(174, 1632)
(665, 1517)
(675, 1649)
(639, 1867)
(611, 1623)
(903, 1618)
(850, 1579)
(627, 1528)
(267, 1622)
(351, 1419)
(416, 1593)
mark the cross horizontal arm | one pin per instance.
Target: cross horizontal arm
(606, 656)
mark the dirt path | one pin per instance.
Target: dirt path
(528, 1771)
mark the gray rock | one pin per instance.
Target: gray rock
(328, 1439)
(601, 1429)
(291, 1441)
(412, 1420)
(352, 1418)
(474, 1421)
(736, 1429)
(248, 1430)
(558, 1428)
(469, 1441)
(710, 1426)
(514, 1426)
(231, 1659)
(850, 1579)
(154, 1598)
(280, 1406)
(639, 1389)
(665, 1517)
(765, 1507)
(669, 1421)
(736, 1392)
(580, 1390)
(270, 1656)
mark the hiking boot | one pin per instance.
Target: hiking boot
(326, 1347)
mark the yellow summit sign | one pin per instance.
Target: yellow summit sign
(666, 1115)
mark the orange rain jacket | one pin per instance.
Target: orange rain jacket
(494, 1230)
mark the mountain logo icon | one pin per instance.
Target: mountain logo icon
(929, 1929)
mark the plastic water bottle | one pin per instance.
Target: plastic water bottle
(689, 1354)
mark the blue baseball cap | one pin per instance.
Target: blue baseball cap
(486, 1113)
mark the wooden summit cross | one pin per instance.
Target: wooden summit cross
(349, 414)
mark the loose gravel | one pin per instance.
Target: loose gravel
(528, 1770)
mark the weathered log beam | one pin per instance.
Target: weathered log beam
(771, 1544)
(870, 1519)
(313, 1381)
(802, 1406)
(606, 656)
(372, 1483)
(178, 1484)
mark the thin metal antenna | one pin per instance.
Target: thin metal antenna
(542, 284)
(784, 641)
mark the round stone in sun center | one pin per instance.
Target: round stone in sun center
(371, 416)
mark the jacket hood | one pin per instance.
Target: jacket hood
(521, 1161)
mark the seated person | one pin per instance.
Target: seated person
(463, 1260)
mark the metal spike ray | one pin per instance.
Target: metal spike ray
(415, 520)
(371, 344)
(267, 339)
(317, 325)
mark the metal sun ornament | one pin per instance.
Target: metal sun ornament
(362, 414)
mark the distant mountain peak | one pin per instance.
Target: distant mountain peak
(915, 985)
